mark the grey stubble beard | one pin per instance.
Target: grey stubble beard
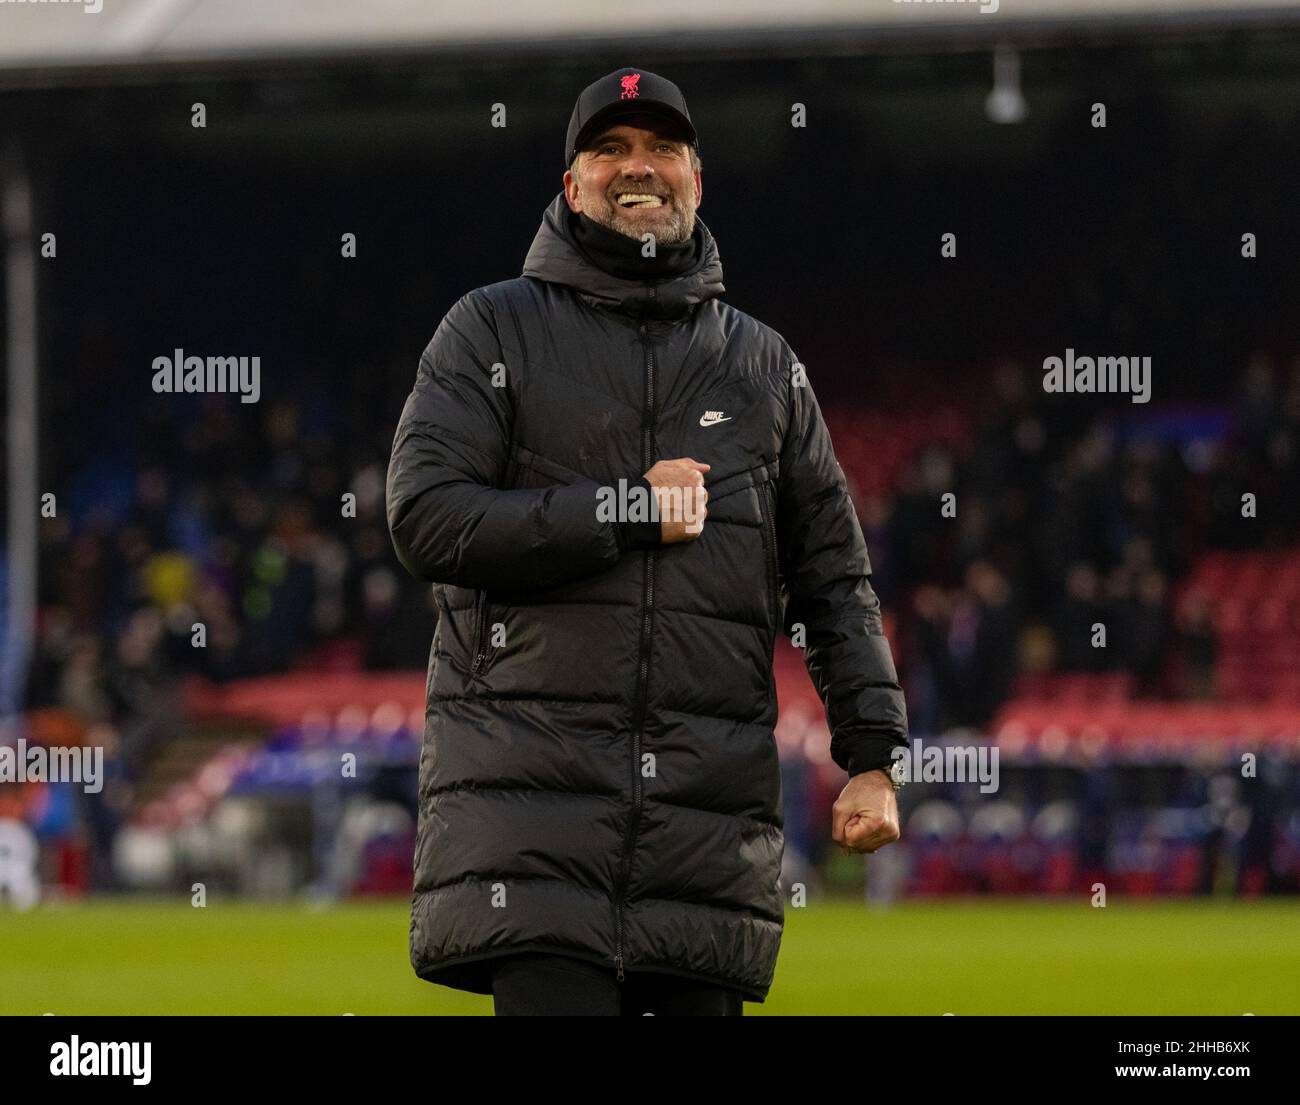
(678, 228)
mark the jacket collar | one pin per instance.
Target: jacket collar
(556, 258)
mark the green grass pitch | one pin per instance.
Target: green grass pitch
(966, 957)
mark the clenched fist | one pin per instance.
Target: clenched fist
(680, 496)
(864, 817)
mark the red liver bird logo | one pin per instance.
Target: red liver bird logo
(629, 86)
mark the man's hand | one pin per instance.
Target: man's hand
(680, 494)
(865, 815)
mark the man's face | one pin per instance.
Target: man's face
(637, 156)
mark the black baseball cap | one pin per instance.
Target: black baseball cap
(623, 92)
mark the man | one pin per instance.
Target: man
(600, 825)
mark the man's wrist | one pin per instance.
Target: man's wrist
(643, 534)
(887, 760)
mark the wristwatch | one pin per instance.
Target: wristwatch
(897, 773)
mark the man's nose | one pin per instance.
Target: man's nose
(638, 165)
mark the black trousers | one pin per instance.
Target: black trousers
(553, 985)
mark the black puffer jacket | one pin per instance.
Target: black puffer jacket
(599, 774)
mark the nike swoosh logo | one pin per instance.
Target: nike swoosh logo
(705, 420)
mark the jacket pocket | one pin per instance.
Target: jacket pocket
(483, 648)
(775, 583)
(431, 670)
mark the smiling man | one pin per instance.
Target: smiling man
(600, 823)
(665, 206)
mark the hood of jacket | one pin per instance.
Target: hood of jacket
(556, 258)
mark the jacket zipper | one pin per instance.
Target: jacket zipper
(647, 604)
(480, 635)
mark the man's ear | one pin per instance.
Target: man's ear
(699, 188)
(571, 191)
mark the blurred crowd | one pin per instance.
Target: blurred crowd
(1062, 525)
(271, 535)
(272, 540)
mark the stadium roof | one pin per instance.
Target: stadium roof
(48, 34)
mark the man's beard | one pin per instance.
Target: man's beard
(678, 227)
